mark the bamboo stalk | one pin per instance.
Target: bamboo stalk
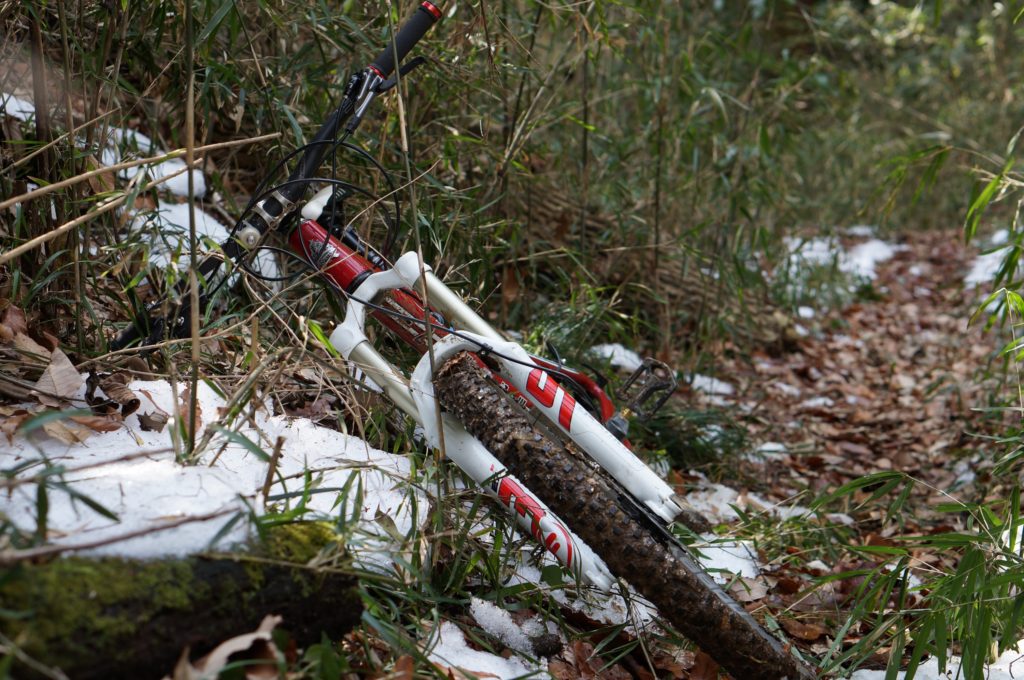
(50, 188)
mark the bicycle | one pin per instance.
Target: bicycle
(545, 440)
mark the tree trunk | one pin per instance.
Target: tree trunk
(122, 618)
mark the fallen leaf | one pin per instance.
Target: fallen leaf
(98, 423)
(61, 378)
(13, 322)
(115, 386)
(403, 669)
(153, 422)
(560, 670)
(257, 648)
(746, 589)
(704, 668)
(27, 346)
(804, 631)
(66, 433)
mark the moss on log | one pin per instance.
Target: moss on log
(121, 618)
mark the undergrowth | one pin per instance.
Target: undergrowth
(588, 173)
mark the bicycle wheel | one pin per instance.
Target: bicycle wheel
(602, 514)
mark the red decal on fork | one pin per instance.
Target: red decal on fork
(546, 395)
(565, 411)
(519, 500)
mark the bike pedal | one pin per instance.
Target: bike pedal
(647, 390)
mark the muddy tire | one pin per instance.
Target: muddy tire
(600, 513)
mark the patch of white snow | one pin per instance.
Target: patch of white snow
(498, 623)
(448, 647)
(16, 107)
(618, 356)
(708, 385)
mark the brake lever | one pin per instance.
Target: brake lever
(402, 72)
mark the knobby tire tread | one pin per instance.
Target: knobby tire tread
(592, 505)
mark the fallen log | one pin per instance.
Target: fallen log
(123, 618)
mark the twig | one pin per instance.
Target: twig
(35, 479)
(268, 482)
(26, 159)
(9, 557)
(170, 155)
(9, 647)
(68, 226)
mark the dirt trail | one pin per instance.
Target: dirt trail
(892, 383)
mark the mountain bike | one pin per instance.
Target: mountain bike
(542, 438)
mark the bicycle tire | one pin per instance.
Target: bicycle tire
(600, 513)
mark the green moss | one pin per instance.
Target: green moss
(76, 603)
(102, 616)
(298, 542)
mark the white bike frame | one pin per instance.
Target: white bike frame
(415, 396)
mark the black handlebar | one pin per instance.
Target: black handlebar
(415, 28)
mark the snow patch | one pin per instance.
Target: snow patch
(618, 356)
(1009, 666)
(863, 258)
(447, 646)
(726, 559)
(861, 230)
(16, 107)
(708, 385)
(134, 474)
(860, 261)
(169, 231)
(498, 623)
(126, 144)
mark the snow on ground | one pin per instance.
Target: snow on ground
(122, 145)
(703, 383)
(127, 144)
(135, 475)
(16, 108)
(1009, 666)
(168, 229)
(985, 266)
(447, 646)
(618, 356)
(860, 261)
(498, 623)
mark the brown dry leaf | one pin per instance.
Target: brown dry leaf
(748, 589)
(61, 378)
(458, 674)
(153, 422)
(704, 668)
(256, 646)
(29, 347)
(676, 664)
(804, 631)
(69, 434)
(186, 398)
(10, 424)
(115, 386)
(13, 322)
(560, 670)
(98, 423)
(101, 183)
(403, 669)
(509, 285)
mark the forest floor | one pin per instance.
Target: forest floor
(897, 382)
